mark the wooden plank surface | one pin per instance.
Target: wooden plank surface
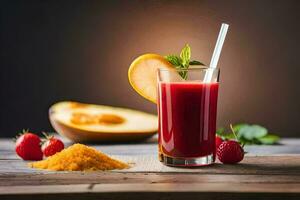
(267, 172)
(164, 191)
(21, 179)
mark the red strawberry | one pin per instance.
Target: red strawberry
(219, 141)
(52, 145)
(230, 152)
(28, 146)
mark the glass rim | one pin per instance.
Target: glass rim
(192, 68)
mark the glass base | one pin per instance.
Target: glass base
(186, 162)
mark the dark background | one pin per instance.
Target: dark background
(81, 50)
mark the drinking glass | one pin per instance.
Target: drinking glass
(187, 110)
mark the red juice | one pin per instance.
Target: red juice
(187, 118)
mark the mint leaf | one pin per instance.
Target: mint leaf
(174, 60)
(185, 55)
(195, 62)
(252, 132)
(269, 139)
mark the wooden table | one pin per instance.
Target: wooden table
(267, 172)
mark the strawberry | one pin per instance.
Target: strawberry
(52, 145)
(28, 146)
(219, 141)
(230, 152)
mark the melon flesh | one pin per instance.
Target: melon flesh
(85, 122)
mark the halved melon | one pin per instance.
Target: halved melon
(81, 122)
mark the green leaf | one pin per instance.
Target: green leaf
(195, 62)
(269, 139)
(251, 132)
(246, 142)
(174, 60)
(220, 131)
(237, 127)
(229, 136)
(185, 55)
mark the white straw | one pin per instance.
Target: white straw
(217, 52)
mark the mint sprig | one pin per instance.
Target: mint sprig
(249, 134)
(185, 55)
(183, 61)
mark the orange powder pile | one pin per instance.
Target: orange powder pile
(79, 157)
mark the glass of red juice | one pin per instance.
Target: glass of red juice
(187, 110)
